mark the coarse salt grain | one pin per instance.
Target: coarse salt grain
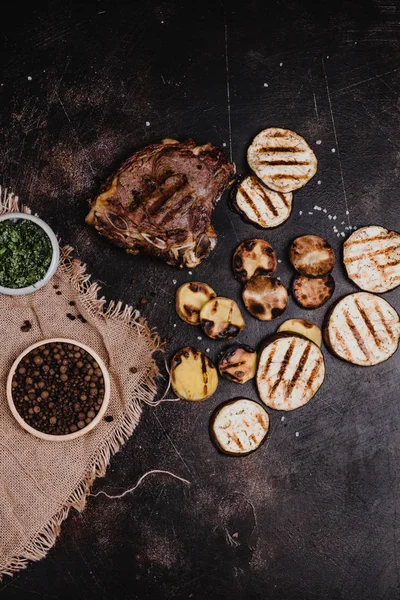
(347, 212)
(297, 434)
(325, 211)
(29, 78)
(300, 212)
(265, 84)
(174, 324)
(329, 216)
(279, 260)
(224, 144)
(343, 234)
(309, 212)
(208, 350)
(280, 64)
(190, 272)
(318, 142)
(147, 123)
(319, 182)
(174, 281)
(333, 149)
(282, 418)
(199, 338)
(334, 217)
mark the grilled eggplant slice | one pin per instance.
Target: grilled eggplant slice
(362, 329)
(261, 206)
(312, 292)
(303, 328)
(221, 319)
(253, 257)
(238, 363)
(282, 159)
(371, 256)
(265, 297)
(193, 375)
(312, 256)
(290, 371)
(190, 299)
(238, 427)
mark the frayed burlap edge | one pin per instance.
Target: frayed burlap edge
(88, 292)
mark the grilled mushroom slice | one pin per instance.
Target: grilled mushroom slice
(303, 328)
(363, 329)
(312, 256)
(290, 371)
(282, 159)
(261, 206)
(221, 319)
(265, 297)
(239, 426)
(371, 256)
(253, 257)
(238, 363)
(193, 375)
(312, 292)
(190, 299)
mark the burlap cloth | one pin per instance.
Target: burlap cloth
(40, 480)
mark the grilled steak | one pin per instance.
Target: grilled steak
(161, 199)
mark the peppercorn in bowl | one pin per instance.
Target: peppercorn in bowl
(29, 253)
(58, 389)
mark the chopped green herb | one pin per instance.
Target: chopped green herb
(25, 253)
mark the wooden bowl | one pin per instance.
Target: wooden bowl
(68, 436)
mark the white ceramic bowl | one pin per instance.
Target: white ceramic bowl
(69, 436)
(54, 260)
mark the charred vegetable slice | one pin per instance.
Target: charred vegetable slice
(190, 299)
(253, 257)
(193, 375)
(221, 319)
(304, 328)
(363, 329)
(261, 206)
(238, 363)
(313, 292)
(282, 159)
(371, 256)
(311, 256)
(265, 297)
(290, 371)
(239, 426)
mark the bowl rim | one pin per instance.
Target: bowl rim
(68, 436)
(54, 259)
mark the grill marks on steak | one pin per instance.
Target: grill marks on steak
(161, 199)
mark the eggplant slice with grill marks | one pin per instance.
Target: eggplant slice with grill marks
(363, 329)
(290, 371)
(304, 328)
(190, 299)
(282, 159)
(238, 363)
(193, 375)
(221, 319)
(312, 256)
(260, 205)
(253, 257)
(371, 256)
(312, 292)
(238, 427)
(266, 298)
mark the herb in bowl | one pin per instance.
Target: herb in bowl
(25, 253)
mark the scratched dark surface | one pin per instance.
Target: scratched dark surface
(314, 514)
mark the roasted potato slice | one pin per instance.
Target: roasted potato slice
(304, 328)
(313, 292)
(253, 257)
(238, 363)
(190, 298)
(290, 371)
(265, 297)
(193, 375)
(259, 205)
(239, 426)
(363, 329)
(221, 319)
(312, 256)
(371, 256)
(282, 159)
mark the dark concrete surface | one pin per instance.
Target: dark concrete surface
(314, 514)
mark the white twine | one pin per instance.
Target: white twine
(139, 482)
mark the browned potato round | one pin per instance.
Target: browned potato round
(221, 319)
(313, 292)
(190, 299)
(265, 297)
(312, 256)
(253, 257)
(303, 328)
(238, 363)
(193, 375)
